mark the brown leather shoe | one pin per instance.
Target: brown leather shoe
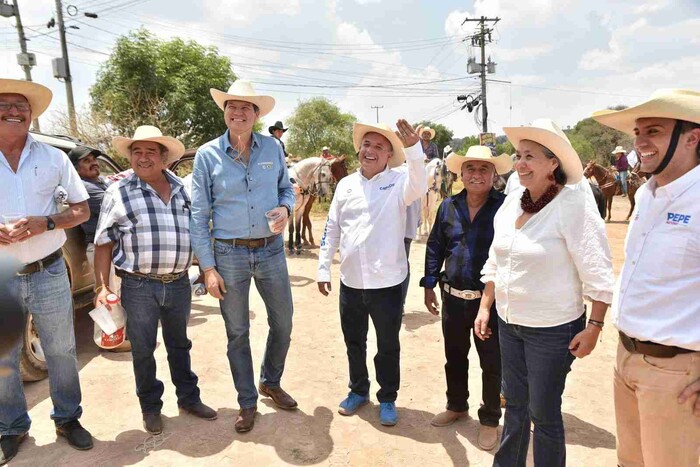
(448, 417)
(488, 437)
(200, 410)
(246, 419)
(279, 397)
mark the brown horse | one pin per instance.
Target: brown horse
(608, 185)
(339, 170)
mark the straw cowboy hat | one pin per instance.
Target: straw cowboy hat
(149, 133)
(277, 126)
(242, 90)
(428, 129)
(619, 150)
(502, 163)
(447, 149)
(677, 104)
(359, 130)
(38, 96)
(547, 133)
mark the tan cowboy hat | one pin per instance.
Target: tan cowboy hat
(619, 150)
(38, 96)
(502, 163)
(149, 133)
(678, 104)
(359, 130)
(547, 133)
(427, 128)
(242, 90)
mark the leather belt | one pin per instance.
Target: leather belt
(249, 242)
(164, 278)
(463, 294)
(40, 265)
(651, 349)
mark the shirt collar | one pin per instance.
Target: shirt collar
(376, 177)
(136, 183)
(677, 187)
(225, 141)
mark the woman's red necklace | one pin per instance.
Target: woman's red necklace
(531, 207)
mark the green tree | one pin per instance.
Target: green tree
(318, 122)
(595, 141)
(443, 135)
(148, 81)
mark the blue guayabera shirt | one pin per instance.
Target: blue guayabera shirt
(462, 245)
(236, 196)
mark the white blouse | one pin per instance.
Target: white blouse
(542, 270)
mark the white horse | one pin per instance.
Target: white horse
(431, 198)
(311, 177)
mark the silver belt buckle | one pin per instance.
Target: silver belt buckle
(468, 295)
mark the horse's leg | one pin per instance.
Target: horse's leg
(630, 194)
(306, 223)
(609, 200)
(290, 230)
(297, 221)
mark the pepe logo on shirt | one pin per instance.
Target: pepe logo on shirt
(674, 218)
(265, 165)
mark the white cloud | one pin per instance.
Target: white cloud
(365, 2)
(650, 6)
(522, 53)
(225, 11)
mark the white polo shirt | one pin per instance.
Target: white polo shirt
(657, 297)
(367, 220)
(32, 192)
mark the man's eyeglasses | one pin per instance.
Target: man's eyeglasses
(20, 106)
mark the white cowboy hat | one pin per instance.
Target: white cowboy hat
(447, 149)
(618, 150)
(677, 104)
(547, 133)
(359, 130)
(242, 90)
(38, 96)
(325, 148)
(502, 163)
(149, 133)
(428, 129)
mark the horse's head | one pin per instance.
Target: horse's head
(339, 169)
(323, 177)
(588, 170)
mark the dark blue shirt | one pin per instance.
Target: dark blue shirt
(462, 245)
(96, 191)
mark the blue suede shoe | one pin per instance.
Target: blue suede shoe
(387, 413)
(352, 403)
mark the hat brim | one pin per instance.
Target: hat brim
(273, 128)
(175, 148)
(502, 164)
(359, 130)
(264, 103)
(38, 96)
(676, 105)
(431, 131)
(570, 162)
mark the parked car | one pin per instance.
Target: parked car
(32, 361)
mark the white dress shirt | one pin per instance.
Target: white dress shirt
(367, 220)
(542, 270)
(32, 190)
(658, 295)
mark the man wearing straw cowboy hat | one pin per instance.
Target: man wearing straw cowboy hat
(277, 130)
(144, 230)
(367, 220)
(430, 149)
(34, 176)
(460, 239)
(656, 307)
(622, 166)
(240, 183)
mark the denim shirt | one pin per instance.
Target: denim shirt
(236, 196)
(463, 253)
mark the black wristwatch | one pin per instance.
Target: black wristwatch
(50, 224)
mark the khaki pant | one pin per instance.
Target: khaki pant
(653, 429)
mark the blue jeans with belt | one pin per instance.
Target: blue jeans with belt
(146, 302)
(535, 362)
(267, 265)
(47, 295)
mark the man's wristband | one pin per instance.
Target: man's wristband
(289, 213)
(99, 288)
(598, 324)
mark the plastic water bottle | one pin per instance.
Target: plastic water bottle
(197, 289)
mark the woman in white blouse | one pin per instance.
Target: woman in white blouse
(549, 252)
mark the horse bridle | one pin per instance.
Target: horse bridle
(315, 188)
(606, 173)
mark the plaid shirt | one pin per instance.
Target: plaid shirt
(149, 236)
(464, 253)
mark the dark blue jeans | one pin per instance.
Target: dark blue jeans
(146, 302)
(384, 306)
(535, 363)
(404, 285)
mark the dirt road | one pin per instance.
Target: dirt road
(316, 375)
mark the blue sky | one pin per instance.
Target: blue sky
(563, 58)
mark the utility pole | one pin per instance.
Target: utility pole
(67, 77)
(24, 59)
(481, 39)
(377, 107)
